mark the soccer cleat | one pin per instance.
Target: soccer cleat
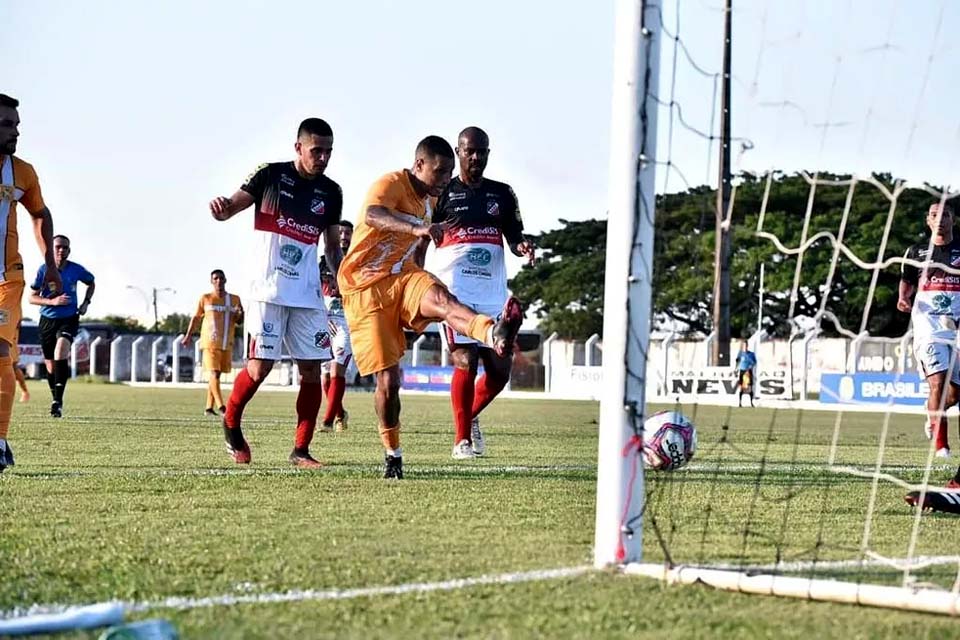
(943, 452)
(237, 446)
(56, 409)
(393, 467)
(476, 437)
(463, 451)
(6, 455)
(340, 422)
(506, 327)
(325, 428)
(304, 460)
(223, 411)
(209, 412)
(952, 484)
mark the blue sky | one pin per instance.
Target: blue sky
(136, 115)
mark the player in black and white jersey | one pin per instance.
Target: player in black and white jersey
(295, 204)
(478, 214)
(935, 312)
(335, 370)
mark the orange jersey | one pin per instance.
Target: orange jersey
(219, 320)
(375, 254)
(18, 183)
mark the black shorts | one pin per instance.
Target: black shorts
(51, 329)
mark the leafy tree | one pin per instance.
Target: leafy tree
(120, 323)
(565, 288)
(174, 323)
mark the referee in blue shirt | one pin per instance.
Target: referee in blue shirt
(60, 317)
(746, 367)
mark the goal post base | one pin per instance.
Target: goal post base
(871, 595)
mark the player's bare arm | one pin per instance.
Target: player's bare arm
(331, 249)
(87, 298)
(185, 340)
(43, 232)
(420, 253)
(386, 220)
(524, 249)
(904, 303)
(58, 301)
(225, 208)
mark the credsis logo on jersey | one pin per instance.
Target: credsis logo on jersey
(473, 234)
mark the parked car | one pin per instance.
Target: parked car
(165, 368)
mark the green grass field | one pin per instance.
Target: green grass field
(131, 496)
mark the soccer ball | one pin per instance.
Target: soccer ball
(669, 441)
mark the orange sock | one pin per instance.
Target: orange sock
(479, 328)
(390, 437)
(8, 386)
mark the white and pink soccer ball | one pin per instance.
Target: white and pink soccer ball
(669, 441)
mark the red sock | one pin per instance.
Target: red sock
(309, 400)
(488, 386)
(461, 397)
(335, 399)
(243, 390)
(940, 434)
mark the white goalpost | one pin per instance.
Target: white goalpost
(783, 551)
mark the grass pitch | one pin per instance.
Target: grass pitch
(131, 497)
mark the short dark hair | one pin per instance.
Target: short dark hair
(473, 132)
(433, 147)
(314, 127)
(62, 237)
(220, 272)
(8, 101)
(345, 223)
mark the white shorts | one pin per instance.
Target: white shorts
(451, 337)
(937, 356)
(304, 332)
(340, 341)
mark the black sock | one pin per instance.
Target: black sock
(956, 476)
(52, 382)
(61, 373)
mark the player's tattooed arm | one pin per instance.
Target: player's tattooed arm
(386, 220)
(225, 208)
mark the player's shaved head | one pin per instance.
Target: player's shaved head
(474, 135)
(473, 149)
(433, 147)
(314, 127)
(218, 272)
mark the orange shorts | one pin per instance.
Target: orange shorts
(218, 360)
(11, 292)
(378, 315)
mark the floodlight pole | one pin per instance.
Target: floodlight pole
(724, 218)
(628, 284)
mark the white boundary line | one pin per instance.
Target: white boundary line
(298, 595)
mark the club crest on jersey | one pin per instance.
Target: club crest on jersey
(941, 303)
(291, 254)
(321, 340)
(479, 256)
(955, 260)
(318, 206)
(493, 208)
(6, 192)
(4, 317)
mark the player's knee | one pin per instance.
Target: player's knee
(389, 381)
(464, 357)
(259, 369)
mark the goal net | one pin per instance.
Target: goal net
(805, 495)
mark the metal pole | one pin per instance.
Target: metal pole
(724, 222)
(628, 281)
(760, 303)
(156, 318)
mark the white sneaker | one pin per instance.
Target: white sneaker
(462, 451)
(479, 446)
(928, 429)
(943, 453)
